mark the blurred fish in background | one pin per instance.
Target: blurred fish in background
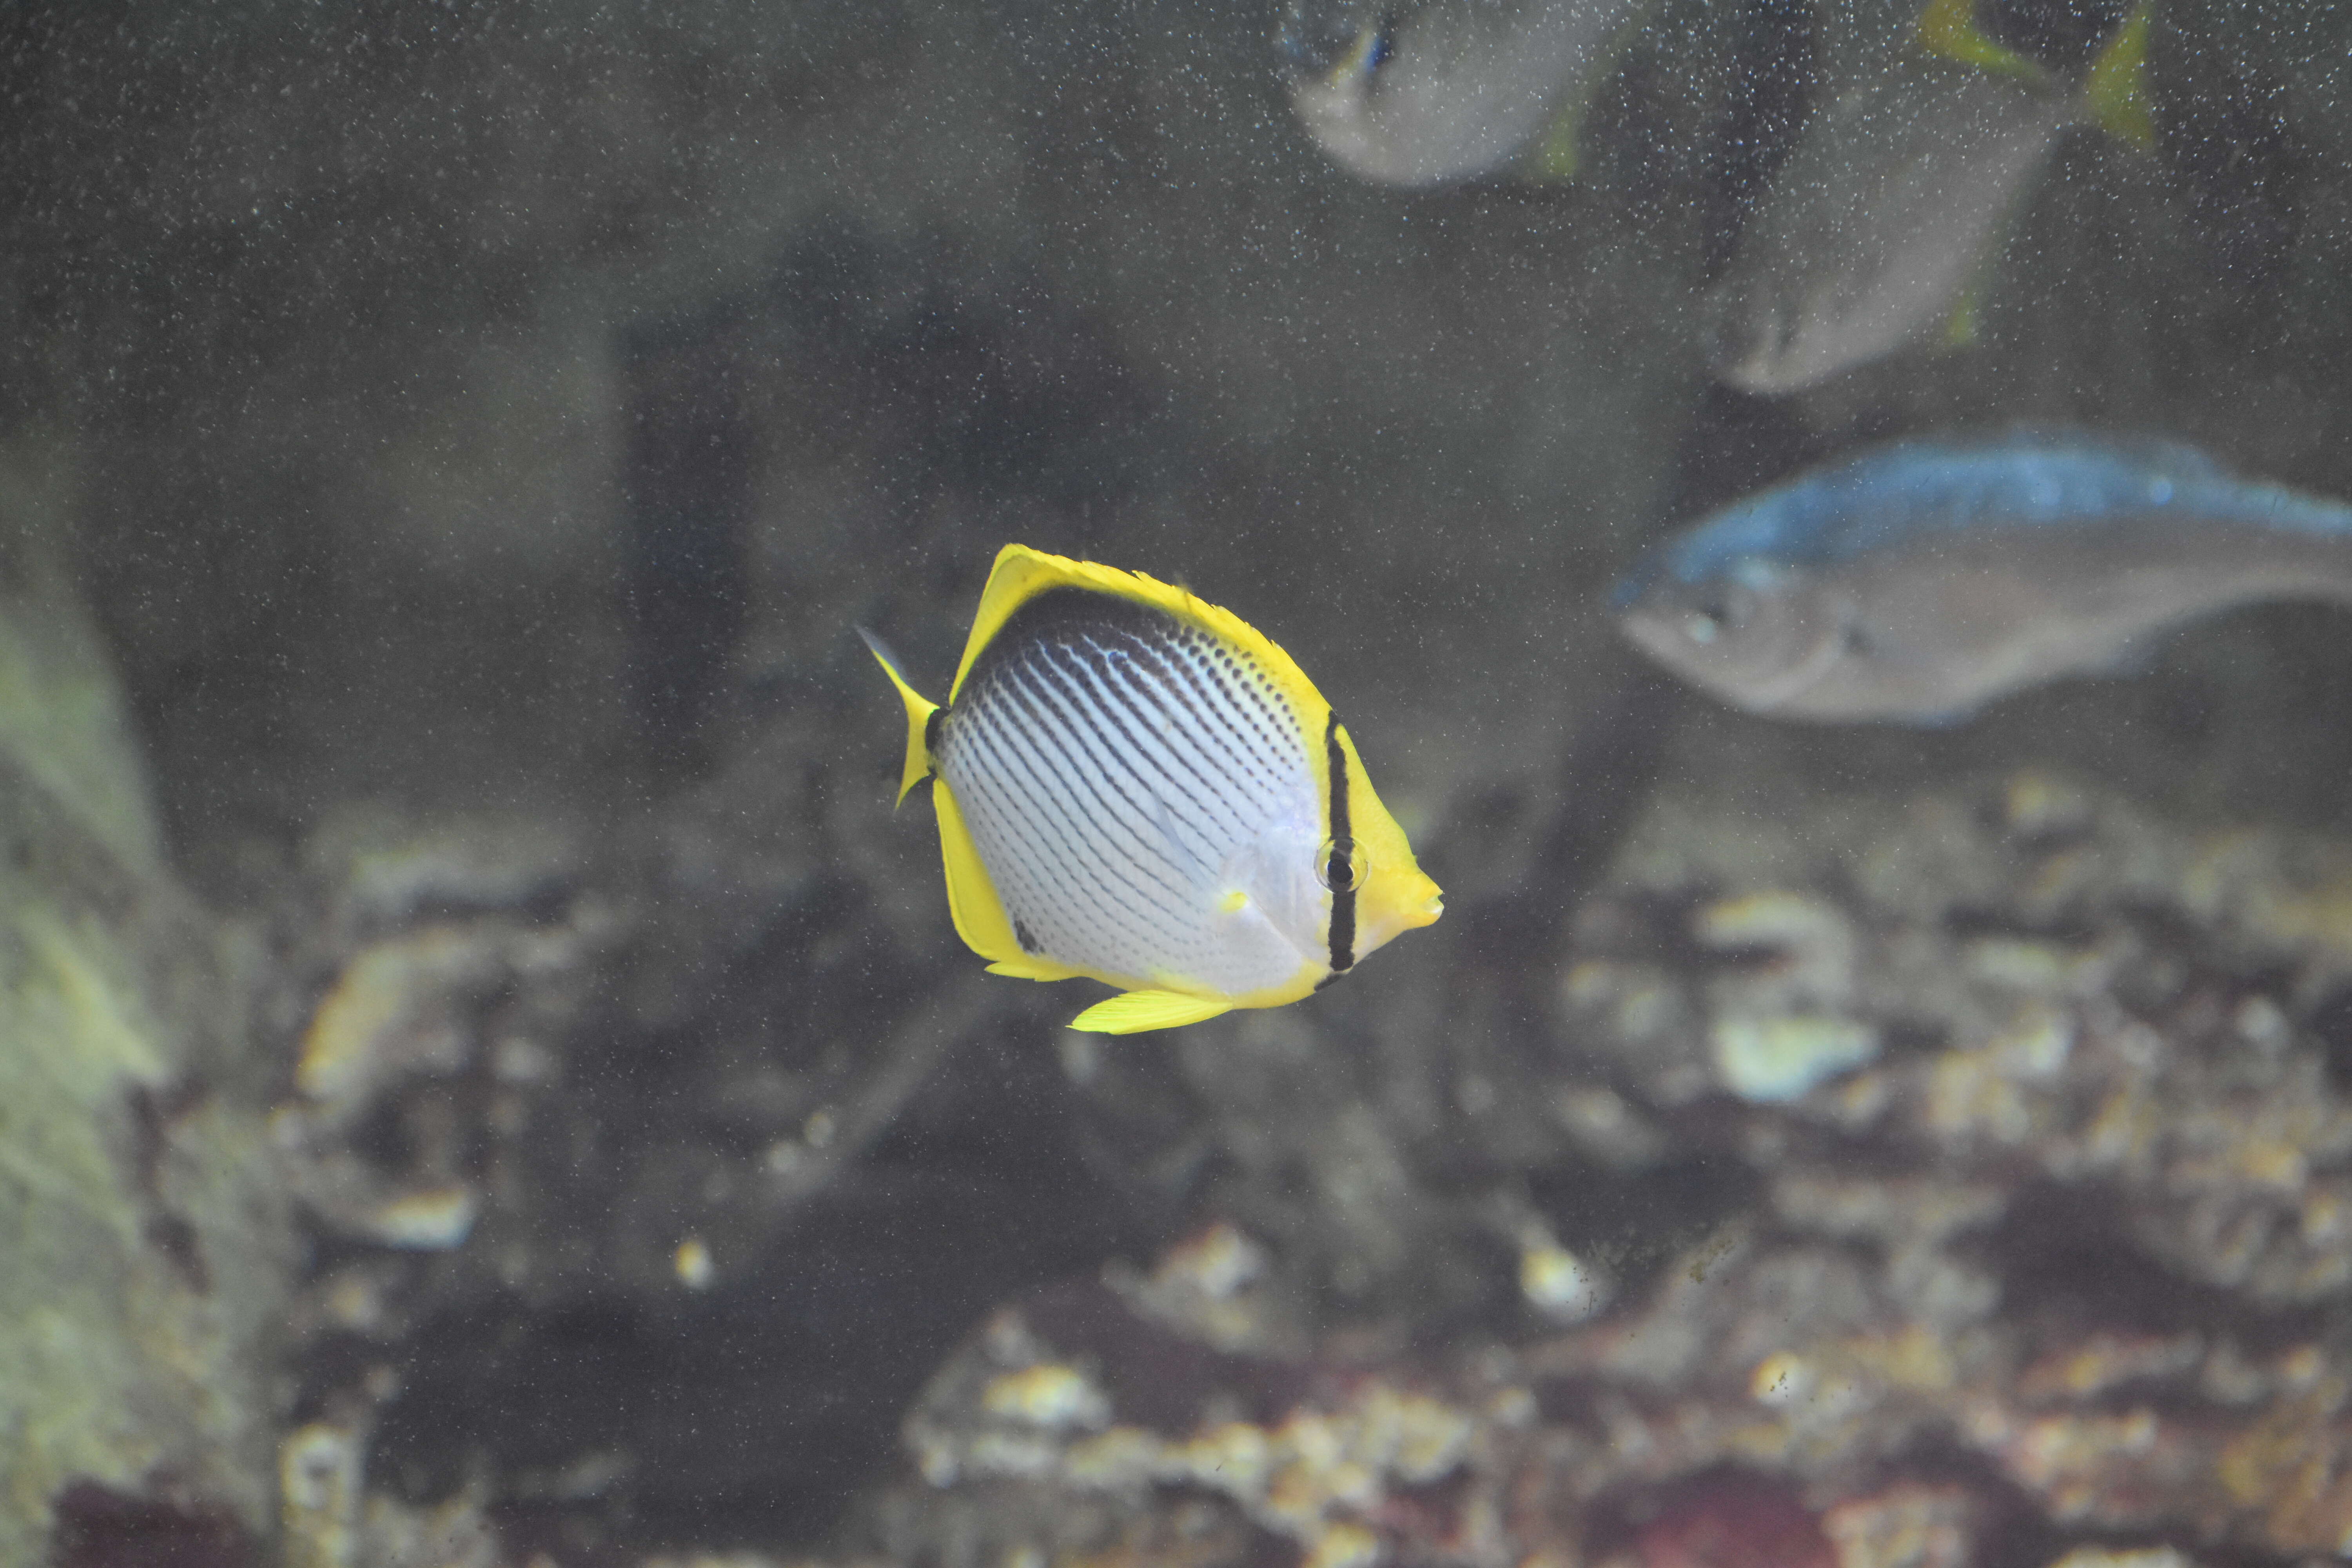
(1425, 94)
(1876, 232)
(1919, 582)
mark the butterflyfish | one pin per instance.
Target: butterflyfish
(1915, 583)
(1137, 787)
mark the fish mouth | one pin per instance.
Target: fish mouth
(1655, 633)
(1756, 359)
(1752, 346)
(1649, 629)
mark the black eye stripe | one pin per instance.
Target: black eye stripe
(1343, 899)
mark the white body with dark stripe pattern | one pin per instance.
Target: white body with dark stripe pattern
(1145, 803)
(1139, 788)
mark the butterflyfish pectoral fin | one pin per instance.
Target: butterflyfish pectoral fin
(919, 710)
(1133, 1012)
(2117, 85)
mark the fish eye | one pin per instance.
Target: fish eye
(1379, 43)
(1341, 865)
(1726, 611)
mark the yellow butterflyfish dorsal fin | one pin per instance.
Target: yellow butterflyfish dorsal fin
(1949, 29)
(2116, 84)
(1133, 1012)
(1022, 574)
(919, 710)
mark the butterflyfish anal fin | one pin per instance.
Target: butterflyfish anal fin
(2117, 85)
(1134, 1012)
(919, 710)
(979, 913)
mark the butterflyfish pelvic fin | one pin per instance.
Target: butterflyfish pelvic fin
(1031, 969)
(2117, 85)
(919, 710)
(1133, 1012)
(1949, 29)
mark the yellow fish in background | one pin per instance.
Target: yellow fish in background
(1139, 788)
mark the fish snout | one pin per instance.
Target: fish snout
(1657, 632)
(1751, 345)
(1425, 903)
(1391, 906)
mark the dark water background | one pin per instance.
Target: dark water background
(498, 415)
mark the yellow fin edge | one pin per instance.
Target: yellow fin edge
(1949, 29)
(1134, 1012)
(1022, 574)
(1965, 326)
(979, 913)
(1555, 155)
(919, 710)
(2117, 85)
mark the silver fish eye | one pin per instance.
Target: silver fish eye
(1341, 865)
(1725, 611)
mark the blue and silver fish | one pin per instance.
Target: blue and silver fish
(1420, 92)
(1137, 787)
(1874, 234)
(1919, 582)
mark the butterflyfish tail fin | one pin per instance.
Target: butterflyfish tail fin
(919, 710)
(1133, 1012)
(1949, 29)
(2117, 85)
